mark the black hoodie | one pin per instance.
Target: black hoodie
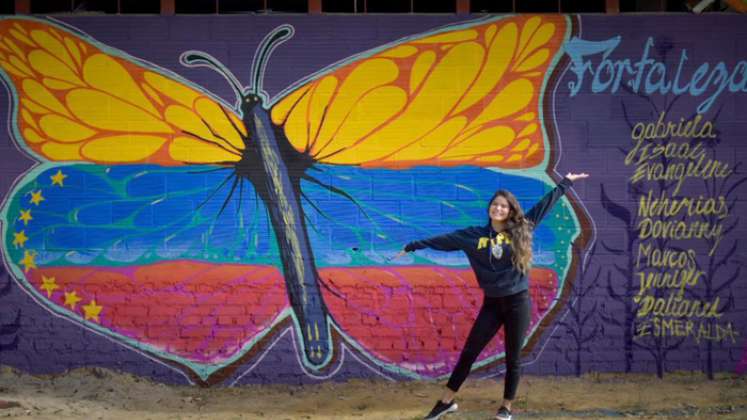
(497, 276)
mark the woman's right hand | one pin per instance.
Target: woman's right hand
(399, 254)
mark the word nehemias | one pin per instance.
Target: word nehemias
(667, 206)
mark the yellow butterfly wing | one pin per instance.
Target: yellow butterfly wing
(79, 101)
(463, 96)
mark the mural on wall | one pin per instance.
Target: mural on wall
(195, 230)
(205, 216)
(675, 270)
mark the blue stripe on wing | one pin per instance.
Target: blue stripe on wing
(141, 214)
(390, 208)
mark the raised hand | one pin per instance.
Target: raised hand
(574, 177)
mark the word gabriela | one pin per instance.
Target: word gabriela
(648, 75)
(666, 129)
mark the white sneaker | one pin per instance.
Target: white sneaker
(503, 414)
(441, 409)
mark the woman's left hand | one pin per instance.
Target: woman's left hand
(574, 177)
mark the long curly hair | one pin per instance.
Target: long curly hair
(520, 230)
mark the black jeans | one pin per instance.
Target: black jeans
(513, 312)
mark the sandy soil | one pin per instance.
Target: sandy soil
(102, 394)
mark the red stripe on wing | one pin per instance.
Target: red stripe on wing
(199, 311)
(418, 318)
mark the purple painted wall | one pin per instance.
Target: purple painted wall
(596, 112)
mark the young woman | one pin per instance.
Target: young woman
(500, 254)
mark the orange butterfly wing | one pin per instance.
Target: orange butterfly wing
(79, 101)
(463, 96)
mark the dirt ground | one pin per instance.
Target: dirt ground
(103, 394)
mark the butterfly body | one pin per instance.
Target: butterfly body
(280, 190)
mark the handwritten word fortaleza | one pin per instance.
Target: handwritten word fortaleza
(648, 75)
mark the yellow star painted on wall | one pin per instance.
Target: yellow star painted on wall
(25, 216)
(58, 178)
(20, 238)
(28, 261)
(37, 197)
(49, 284)
(92, 310)
(72, 299)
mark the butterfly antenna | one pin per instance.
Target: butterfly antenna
(271, 41)
(194, 58)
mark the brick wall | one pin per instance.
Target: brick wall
(152, 224)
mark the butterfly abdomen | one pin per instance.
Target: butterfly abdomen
(279, 188)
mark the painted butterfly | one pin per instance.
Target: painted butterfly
(249, 217)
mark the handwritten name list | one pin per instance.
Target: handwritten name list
(665, 157)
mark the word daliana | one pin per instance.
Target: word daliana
(704, 330)
(675, 305)
(648, 75)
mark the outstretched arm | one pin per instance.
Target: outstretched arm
(540, 210)
(449, 242)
